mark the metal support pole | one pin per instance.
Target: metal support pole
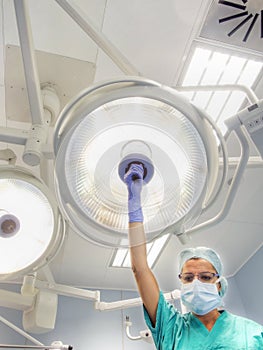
(20, 331)
(29, 61)
(46, 347)
(85, 23)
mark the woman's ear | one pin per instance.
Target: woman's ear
(219, 287)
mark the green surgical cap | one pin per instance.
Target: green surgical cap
(209, 255)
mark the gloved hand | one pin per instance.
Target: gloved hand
(134, 181)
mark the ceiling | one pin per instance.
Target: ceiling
(156, 37)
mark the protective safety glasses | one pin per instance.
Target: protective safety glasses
(204, 277)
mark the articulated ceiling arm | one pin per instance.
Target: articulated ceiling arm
(247, 125)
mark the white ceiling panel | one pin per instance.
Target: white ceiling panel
(68, 76)
(153, 35)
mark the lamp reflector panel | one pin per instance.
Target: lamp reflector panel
(91, 144)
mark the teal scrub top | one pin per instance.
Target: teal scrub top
(176, 331)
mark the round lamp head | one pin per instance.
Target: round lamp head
(103, 130)
(31, 229)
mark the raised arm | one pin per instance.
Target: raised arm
(146, 281)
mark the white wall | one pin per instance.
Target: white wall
(7, 336)
(233, 301)
(249, 282)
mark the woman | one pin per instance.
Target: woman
(205, 326)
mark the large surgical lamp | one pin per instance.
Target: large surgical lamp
(31, 229)
(110, 125)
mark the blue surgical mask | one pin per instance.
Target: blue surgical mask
(200, 297)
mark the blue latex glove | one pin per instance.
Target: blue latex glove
(134, 181)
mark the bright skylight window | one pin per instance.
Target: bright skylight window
(212, 67)
(122, 255)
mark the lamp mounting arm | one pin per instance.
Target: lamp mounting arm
(251, 96)
(16, 301)
(80, 293)
(246, 124)
(85, 24)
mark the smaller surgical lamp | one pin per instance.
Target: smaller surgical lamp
(9, 224)
(31, 228)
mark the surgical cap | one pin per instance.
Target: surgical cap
(209, 255)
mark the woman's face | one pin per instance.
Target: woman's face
(196, 266)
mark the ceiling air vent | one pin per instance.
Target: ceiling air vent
(238, 23)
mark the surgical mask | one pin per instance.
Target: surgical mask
(200, 297)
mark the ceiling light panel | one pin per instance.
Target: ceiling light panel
(122, 255)
(211, 66)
